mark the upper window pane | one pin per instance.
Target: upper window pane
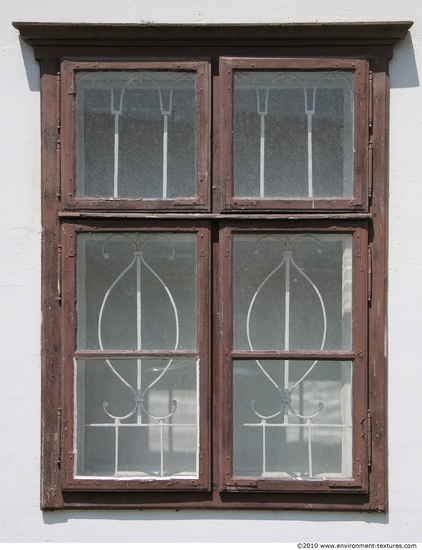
(292, 291)
(136, 133)
(136, 291)
(293, 134)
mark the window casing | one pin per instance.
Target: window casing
(215, 205)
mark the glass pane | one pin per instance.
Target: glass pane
(292, 419)
(293, 134)
(136, 134)
(137, 418)
(292, 291)
(136, 291)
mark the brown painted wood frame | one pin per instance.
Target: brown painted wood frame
(71, 201)
(53, 42)
(357, 355)
(70, 234)
(359, 69)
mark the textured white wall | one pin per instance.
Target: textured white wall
(20, 517)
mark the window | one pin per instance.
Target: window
(214, 257)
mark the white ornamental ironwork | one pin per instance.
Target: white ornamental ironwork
(140, 79)
(286, 408)
(309, 89)
(142, 416)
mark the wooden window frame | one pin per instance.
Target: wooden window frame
(70, 232)
(71, 201)
(358, 482)
(359, 69)
(368, 44)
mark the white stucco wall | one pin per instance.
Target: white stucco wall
(20, 516)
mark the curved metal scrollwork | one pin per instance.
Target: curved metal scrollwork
(139, 261)
(290, 265)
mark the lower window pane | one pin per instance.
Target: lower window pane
(292, 419)
(137, 418)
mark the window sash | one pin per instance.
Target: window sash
(356, 355)
(70, 153)
(114, 358)
(360, 75)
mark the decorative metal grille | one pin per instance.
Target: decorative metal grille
(133, 115)
(165, 427)
(296, 388)
(287, 104)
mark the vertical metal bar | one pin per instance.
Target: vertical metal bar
(138, 303)
(287, 310)
(139, 332)
(165, 113)
(161, 448)
(165, 155)
(310, 112)
(310, 168)
(309, 424)
(116, 155)
(264, 447)
(262, 158)
(287, 331)
(116, 447)
(262, 112)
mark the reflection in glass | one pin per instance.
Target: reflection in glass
(292, 419)
(136, 418)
